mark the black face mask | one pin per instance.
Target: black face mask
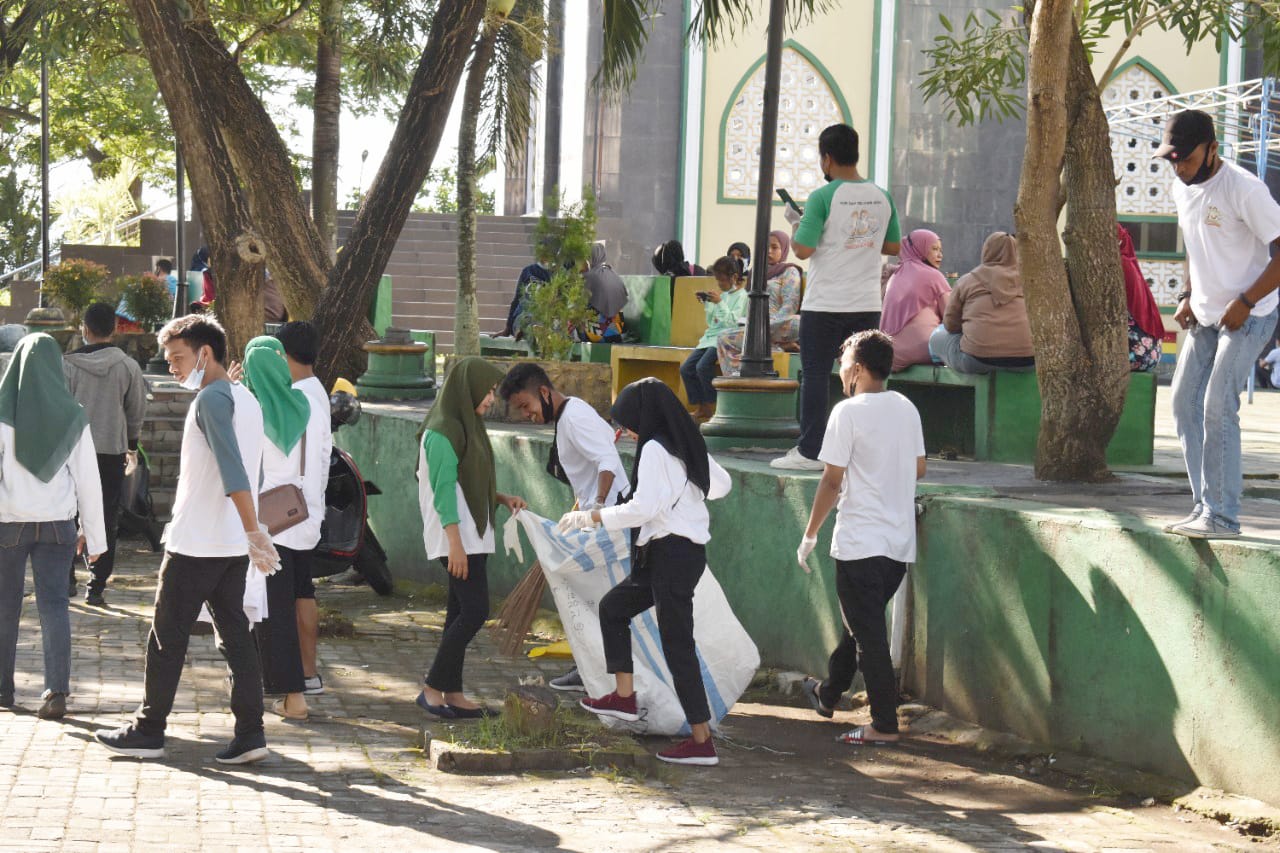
(1204, 172)
(548, 409)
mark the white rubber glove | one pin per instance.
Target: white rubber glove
(130, 462)
(807, 544)
(576, 520)
(262, 553)
(792, 215)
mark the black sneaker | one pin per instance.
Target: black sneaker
(54, 707)
(94, 599)
(244, 749)
(129, 741)
(570, 682)
(6, 700)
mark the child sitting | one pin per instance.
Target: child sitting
(725, 309)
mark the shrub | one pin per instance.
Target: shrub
(553, 310)
(146, 298)
(74, 284)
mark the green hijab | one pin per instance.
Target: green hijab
(285, 410)
(47, 421)
(454, 416)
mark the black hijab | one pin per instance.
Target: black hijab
(653, 412)
(668, 259)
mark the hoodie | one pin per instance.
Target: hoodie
(987, 306)
(110, 386)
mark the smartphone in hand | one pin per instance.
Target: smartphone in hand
(702, 296)
(788, 200)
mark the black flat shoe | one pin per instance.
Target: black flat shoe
(481, 713)
(444, 712)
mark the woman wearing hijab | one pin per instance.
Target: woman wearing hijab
(48, 476)
(607, 296)
(286, 460)
(783, 283)
(672, 480)
(458, 496)
(668, 259)
(985, 327)
(916, 299)
(741, 253)
(1146, 328)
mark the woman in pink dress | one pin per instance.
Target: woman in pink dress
(915, 300)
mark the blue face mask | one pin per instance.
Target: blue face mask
(195, 379)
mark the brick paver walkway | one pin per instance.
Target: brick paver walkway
(351, 779)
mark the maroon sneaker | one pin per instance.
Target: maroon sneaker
(691, 752)
(613, 705)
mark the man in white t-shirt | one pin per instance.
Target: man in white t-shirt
(845, 228)
(301, 347)
(873, 454)
(1229, 223)
(211, 544)
(583, 456)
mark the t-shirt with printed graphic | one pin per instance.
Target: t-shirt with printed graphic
(1228, 223)
(846, 223)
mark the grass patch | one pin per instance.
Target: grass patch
(424, 594)
(334, 623)
(569, 730)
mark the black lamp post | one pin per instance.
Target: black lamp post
(757, 358)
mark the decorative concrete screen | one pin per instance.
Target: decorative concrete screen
(806, 106)
(1144, 183)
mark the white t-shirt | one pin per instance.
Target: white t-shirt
(584, 441)
(666, 503)
(847, 223)
(877, 439)
(305, 536)
(1228, 223)
(1272, 360)
(221, 453)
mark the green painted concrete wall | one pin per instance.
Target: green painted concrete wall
(1101, 634)
(1076, 628)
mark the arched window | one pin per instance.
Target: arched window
(1143, 189)
(809, 101)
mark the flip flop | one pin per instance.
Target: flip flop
(857, 737)
(279, 707)
(810, 690)
(481, 713)
(444, 712)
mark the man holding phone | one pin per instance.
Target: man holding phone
(844, 229)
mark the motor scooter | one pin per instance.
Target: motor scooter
(345, 538)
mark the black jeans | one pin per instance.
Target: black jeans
(865, 588)
(277, 636)
(467, 611)
(111, 473)
(185, 584)
(667, 573)
(821, 334)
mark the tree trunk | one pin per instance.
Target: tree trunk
(215, 189)
(1076, 323)
(328, 112)
(466, 327)
(382, 216)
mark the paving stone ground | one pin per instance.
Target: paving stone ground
(352, 778)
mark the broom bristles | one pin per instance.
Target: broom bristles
(518, 611)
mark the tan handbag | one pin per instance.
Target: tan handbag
(284, 506)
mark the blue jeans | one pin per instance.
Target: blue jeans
(945, 346)
(697, 372)
(821, 335)
(1213, 367)
(50, 545)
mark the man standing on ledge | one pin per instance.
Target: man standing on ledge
(1228, 307)
(845, 228)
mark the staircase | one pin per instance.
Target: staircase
(162, 439)
(424, 270)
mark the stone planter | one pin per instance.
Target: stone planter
(140, 346)
(583, 379)
(52, 322)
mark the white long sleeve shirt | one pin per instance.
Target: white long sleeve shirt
(665, 502)
(584, 442)
(75, 489)
(278, 470)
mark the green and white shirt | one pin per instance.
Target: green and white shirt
(846, 223)
(442, 503)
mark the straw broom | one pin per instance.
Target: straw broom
(516, 615)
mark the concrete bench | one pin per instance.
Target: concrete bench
(996, 417)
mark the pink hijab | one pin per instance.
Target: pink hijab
(916, 285)
(784, 240)
(1137, 293)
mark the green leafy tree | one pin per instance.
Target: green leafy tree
(74, 284)
(556, 309)
(146, 298)
(1076, 304)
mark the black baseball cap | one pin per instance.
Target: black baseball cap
(1183, 132)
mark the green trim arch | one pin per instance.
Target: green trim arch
(1148, 67)
(841, 103)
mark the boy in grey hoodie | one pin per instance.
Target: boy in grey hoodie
(110, 386)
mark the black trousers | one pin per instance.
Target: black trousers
(185, 584)
(279, 654)
(111, 473)
(666, 573)
(865, 588)
(465, 616)
(821, 334)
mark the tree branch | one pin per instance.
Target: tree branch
(268, 29)
(19, 115)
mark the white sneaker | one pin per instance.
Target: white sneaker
(793, 460)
